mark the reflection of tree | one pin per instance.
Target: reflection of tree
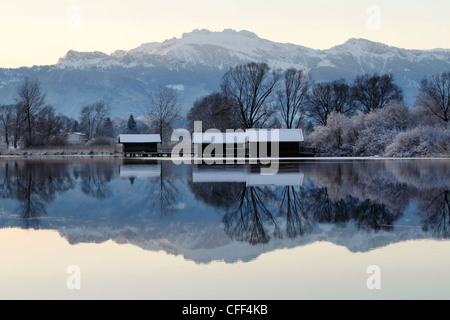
(370, 195)
(32, 205)
(246, 222)
(436, 215)
(325, 210)
(292, 205)
(163, 192)
(219, 195)
(34, 185)
(95, 180)
(369, 215)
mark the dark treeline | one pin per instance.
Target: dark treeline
(31, 122)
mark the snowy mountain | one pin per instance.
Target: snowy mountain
(195, 63)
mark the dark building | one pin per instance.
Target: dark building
(139, 144)
(261, 142)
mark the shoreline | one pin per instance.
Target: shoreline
(118, 155)
(112, 152)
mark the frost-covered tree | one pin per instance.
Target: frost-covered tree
(332, 139)
(421, 142)
(379, 128)
(434, 95)
(364, 134)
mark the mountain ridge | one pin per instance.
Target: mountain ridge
(231, 39)
(196, 62)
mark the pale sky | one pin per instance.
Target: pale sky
(40, 32)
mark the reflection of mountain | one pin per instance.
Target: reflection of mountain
(359, 205)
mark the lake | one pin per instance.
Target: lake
(92, 228)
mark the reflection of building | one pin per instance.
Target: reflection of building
(279, 179)
(140, 171)
(237, 174)
(251, 176)
(139, 144)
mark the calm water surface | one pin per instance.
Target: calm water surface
(155, 230)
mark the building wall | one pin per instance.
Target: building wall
(140, 147)
(285, 149)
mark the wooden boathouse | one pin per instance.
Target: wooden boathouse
(143, 145)
(261, 141)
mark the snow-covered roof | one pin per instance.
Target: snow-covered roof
(271, 135)
(219, 137)
(139, 138)
(250, 135)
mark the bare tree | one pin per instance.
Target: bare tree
(92, 118)
(215, 112)
(7, 114)
(163, 109)
(30, 100)
(248, 87)
(370, 93)
(11, 124)
(291, 99)
(326, 98)
(435, 95)
(51, 129)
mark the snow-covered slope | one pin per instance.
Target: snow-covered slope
(198, 48)
(197, 61)
(229, 47)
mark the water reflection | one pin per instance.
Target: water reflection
(154, 200)
(436, 214)
(95, 180)
(33, 185)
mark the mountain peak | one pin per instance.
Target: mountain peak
(229, 32)
(359, 46)
(221, 49)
